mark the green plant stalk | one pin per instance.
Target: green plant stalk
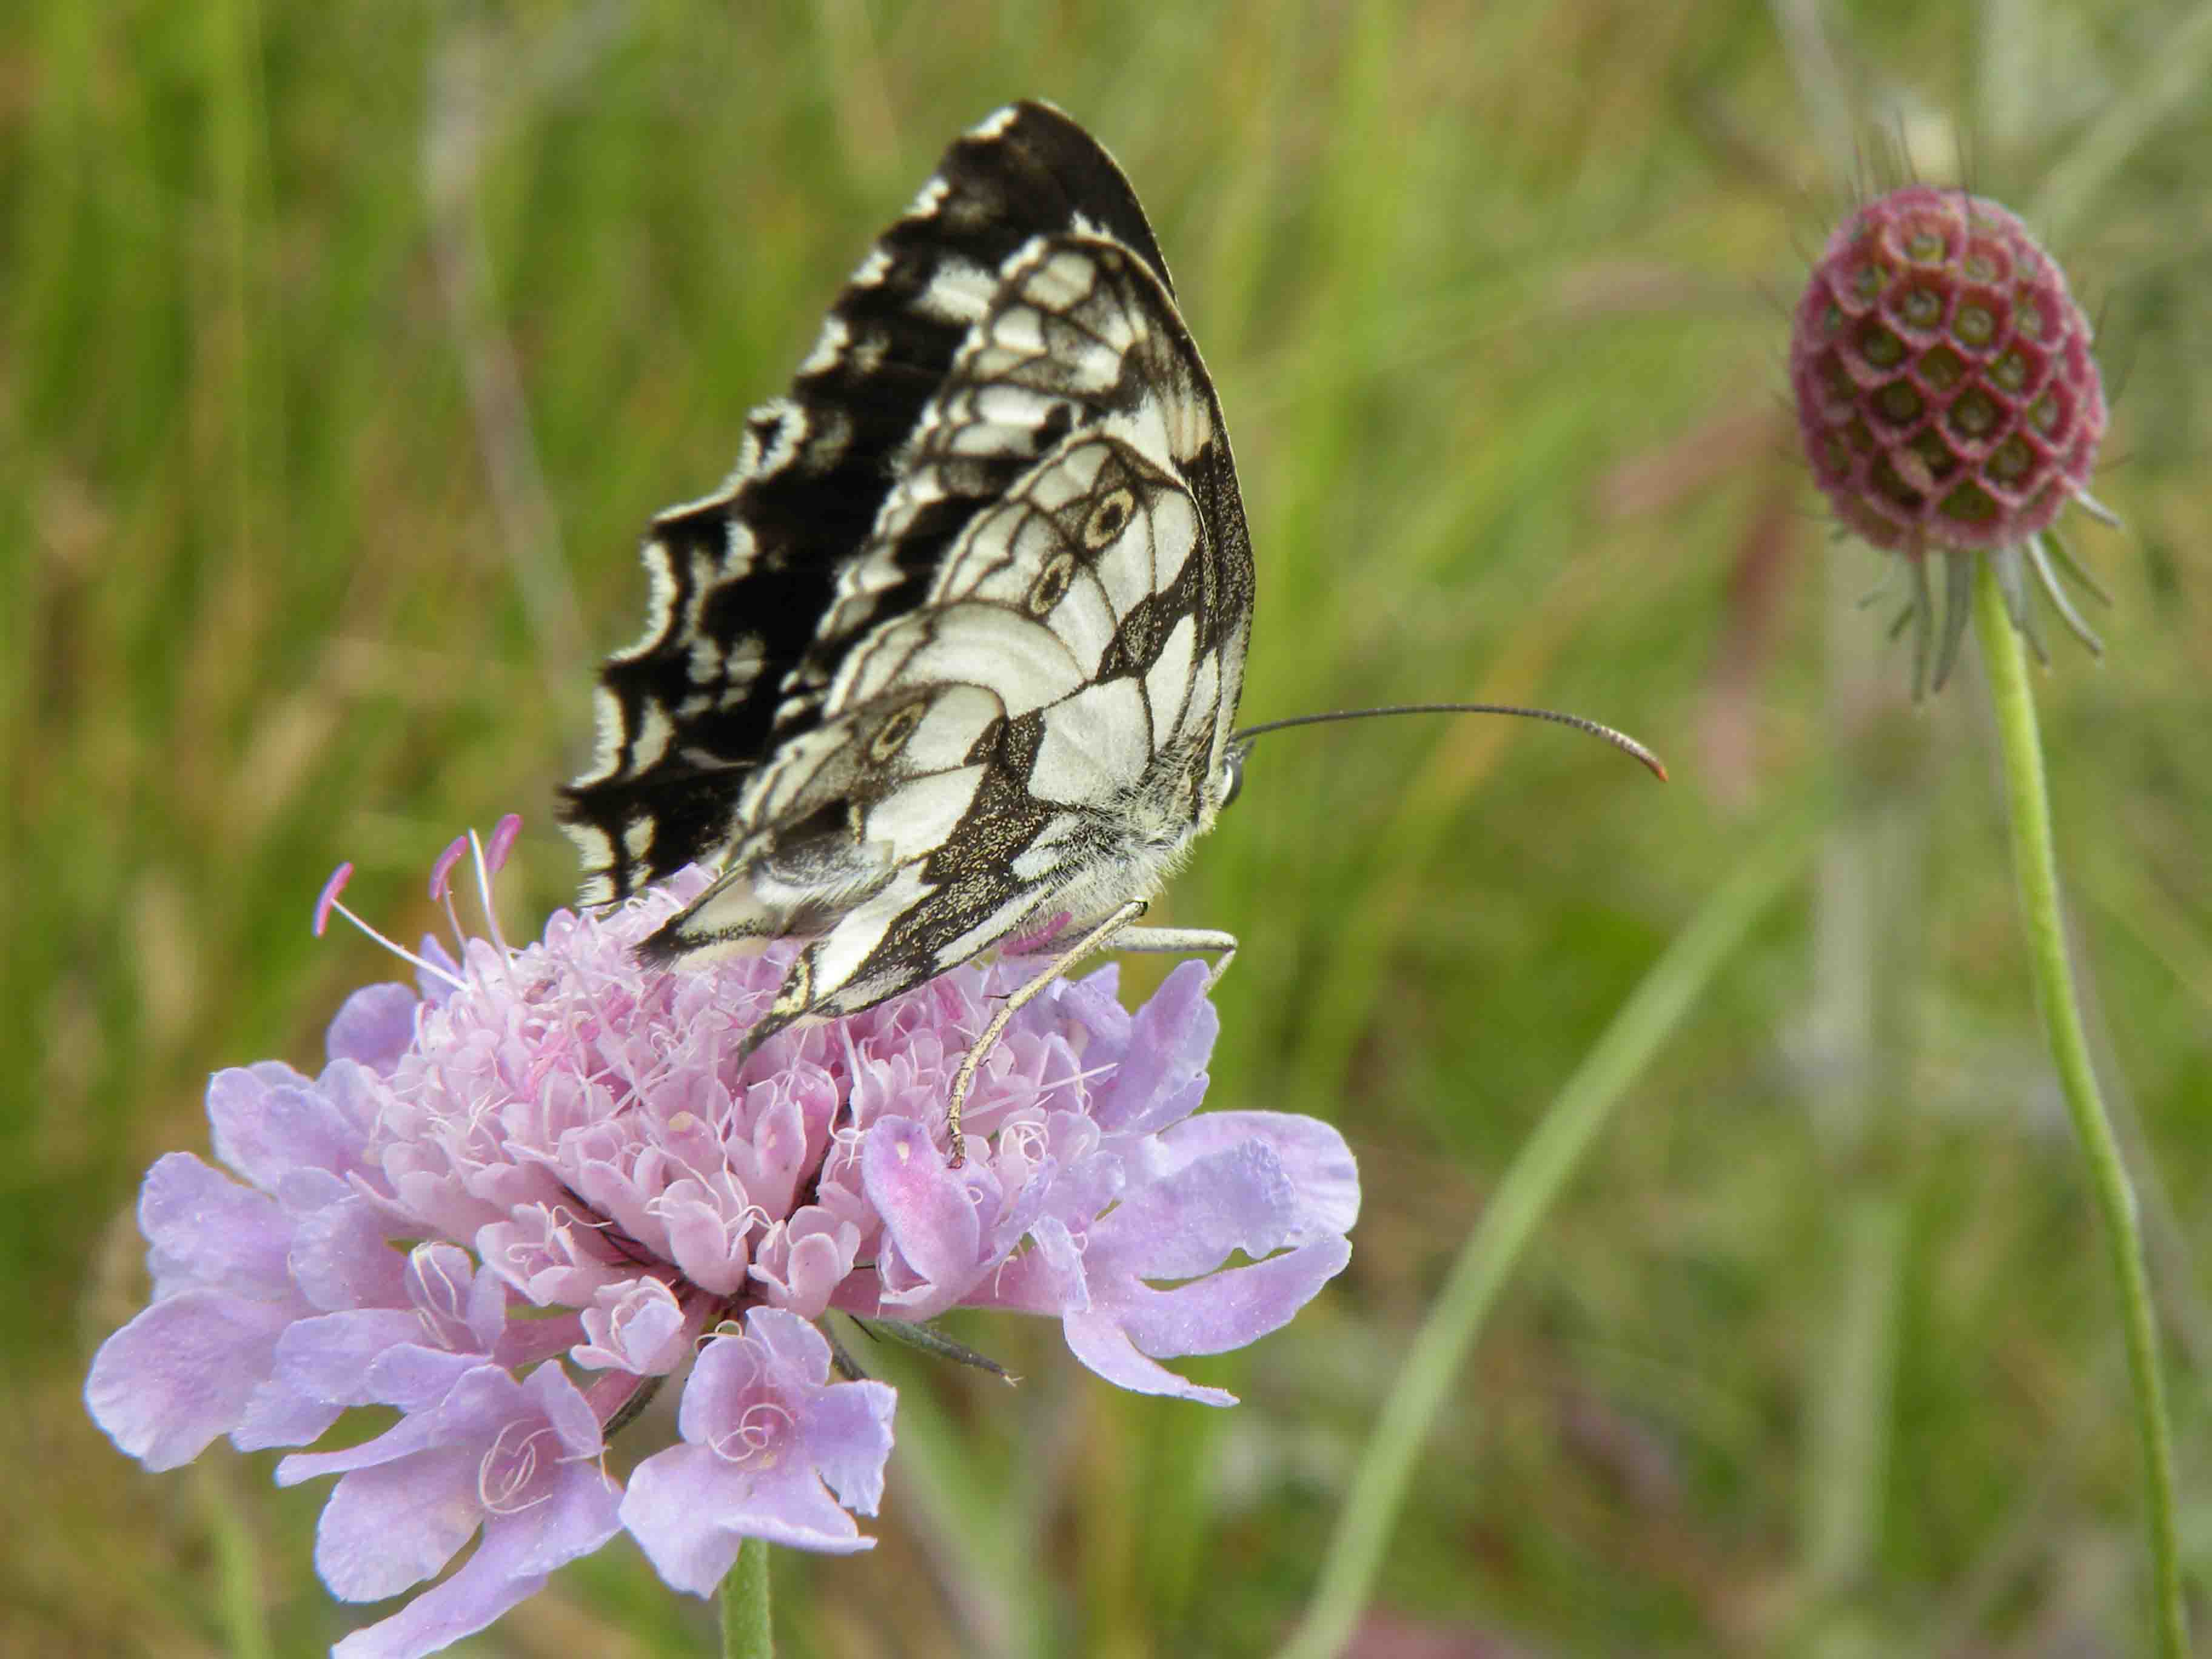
(2037, 867)
(1538, 1174)
(239, 1606)
(1850, 1395)
(747, 1632)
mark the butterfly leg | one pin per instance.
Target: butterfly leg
(964, 1079)
(1179, 942)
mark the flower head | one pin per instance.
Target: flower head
(1947, 398)
(559, 1131)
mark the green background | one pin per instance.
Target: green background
(344, 349)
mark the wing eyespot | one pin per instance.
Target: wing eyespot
(1052, 583)
(1108, 519)
(891, 736)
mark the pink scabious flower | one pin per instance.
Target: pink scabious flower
(526, 1191)
(1949, 404)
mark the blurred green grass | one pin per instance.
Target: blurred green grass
(1494, 297)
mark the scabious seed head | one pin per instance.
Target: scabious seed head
(1950, 406)
(1944, 382)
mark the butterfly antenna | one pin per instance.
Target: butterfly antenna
(1619, 740)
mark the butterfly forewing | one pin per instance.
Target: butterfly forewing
(1014, 694)
(741, 579)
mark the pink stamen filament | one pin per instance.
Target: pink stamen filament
(753, 1433)
(438, 1288)
(441, 873)
(330, 902)
(484, 879)
(503, 837)
(508, 1471)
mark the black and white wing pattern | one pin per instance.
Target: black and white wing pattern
(957, 649)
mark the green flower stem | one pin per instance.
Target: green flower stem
(746, 1632)
(1539, 1174)
(2037, 867)
(238, 1567)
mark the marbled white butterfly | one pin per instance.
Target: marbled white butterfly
(955, 650)
(953, 656)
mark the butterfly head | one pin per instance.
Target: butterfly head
(1229, 781)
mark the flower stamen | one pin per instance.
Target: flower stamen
(509, 1469)
(330, 902)
(759, 1428)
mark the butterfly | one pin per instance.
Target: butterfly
(952, 658)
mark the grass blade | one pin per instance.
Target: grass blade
(1523, 1198)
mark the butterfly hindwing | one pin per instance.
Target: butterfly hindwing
(741, 579)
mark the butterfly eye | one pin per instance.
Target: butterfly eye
(1108, 519)
(1052, 583)
(890, 737)
(1233, 772)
